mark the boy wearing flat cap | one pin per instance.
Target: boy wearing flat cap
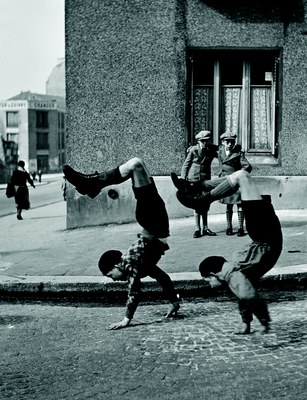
(231, 159)
(141, 258)
(243, 270)
(197, 168)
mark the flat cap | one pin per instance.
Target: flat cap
(204, 135)
(228, 135)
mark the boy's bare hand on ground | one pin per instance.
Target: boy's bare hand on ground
(119, 325)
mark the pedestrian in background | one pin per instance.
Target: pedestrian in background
(64, 188)
(34, 176)
(19, 179)
(197, 168)
(40, 173)
(231, 159)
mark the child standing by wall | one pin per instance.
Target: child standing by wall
(231, 159)
(196, 168)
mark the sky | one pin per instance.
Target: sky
(32, 40)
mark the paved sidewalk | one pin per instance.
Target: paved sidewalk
(39, 257)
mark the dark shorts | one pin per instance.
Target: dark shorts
(150, 211)
(263, 227)
(262, 224)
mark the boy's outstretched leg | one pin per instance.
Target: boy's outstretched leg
(92, 184)
(215, 189)
(201, 195)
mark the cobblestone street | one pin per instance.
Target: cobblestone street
(67, 352)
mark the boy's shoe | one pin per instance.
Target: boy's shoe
(229, 231)
(173, 308)
(197, 234)
(191, 194)
(199, 202)
(193, 188)
(240, 232)
(265, 327)
(208, 232)
(181, 184)
(172, 311)
(84, 184)
(246, 330)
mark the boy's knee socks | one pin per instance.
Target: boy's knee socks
(240, 219)
(111, 177)
(224, 189)
(229, 214)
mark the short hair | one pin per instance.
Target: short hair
(212, 264)
(108, 260)
(21, 164)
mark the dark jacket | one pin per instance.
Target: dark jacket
(19, 178)
(235, 161)
(197, 165)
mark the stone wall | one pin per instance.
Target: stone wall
(287, 192)
(125, 73)
(126, 80)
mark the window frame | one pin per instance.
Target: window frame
(42, 119)
(15, 121)
(42, 140)
(249, 57)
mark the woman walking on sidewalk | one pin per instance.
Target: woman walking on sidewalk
(19, 179)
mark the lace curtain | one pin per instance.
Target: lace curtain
(260, 116)
(260, 109)
(261, 119)
(230, 113)
(203, 109)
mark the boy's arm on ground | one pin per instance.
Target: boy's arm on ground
(134, 290)
(121, 324)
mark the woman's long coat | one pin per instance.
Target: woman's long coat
(20, 178)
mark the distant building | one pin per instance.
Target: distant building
(8, 159)
(55, 85)
(32, 127)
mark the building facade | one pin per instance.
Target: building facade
(142, 78)
(55, 85)
(32, 127)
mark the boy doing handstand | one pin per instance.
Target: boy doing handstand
(243, 271)
(142, 256)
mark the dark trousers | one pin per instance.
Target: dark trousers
(150, 211)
